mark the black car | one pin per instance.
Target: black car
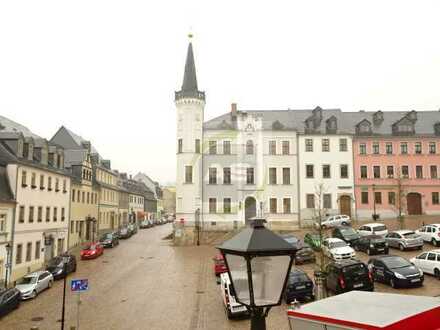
(124, 233)
(304, 253)
(109, 240)
(61, 265)
(371, 244)
(9, 300)
(396, 271)
(346, 233)
(348, 275)
(299, 286)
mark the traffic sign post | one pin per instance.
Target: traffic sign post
(79, 286)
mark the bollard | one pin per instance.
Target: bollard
(320, 287)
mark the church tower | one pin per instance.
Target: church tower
(190, 103)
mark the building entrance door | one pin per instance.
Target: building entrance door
(345, 205)
(414, 203)
(48, 248)
(250, 209)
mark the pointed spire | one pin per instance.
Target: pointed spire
(189, 85)
(190, 78)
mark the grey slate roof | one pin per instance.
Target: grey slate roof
(11, 126)
(6, 156)
(346, 121)
(190, 78)
(5, 190)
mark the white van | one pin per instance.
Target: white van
(232, 307)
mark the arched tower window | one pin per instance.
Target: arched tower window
(249, 147)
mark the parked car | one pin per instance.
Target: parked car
(430, 233)
(371, 244)
(373, 229)
(109, 240)
(133, 228)
(62, 265)
(396, 271)
(299, 286)
(124, 233)
(334, 220)
(404, 239)
(219, 265)
(313, 240)
(32, 284)
(304, 253)
(428, 262)
(92, 251)
(232, 307)
(145, 224)
(337, 249)
(9, 300)
(346, 233)
(348, 275)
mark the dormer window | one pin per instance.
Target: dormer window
(378, 118)
(363, 128)
(25, 150)
(331, 125)
(437, 128)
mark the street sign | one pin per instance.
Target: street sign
(79, 285)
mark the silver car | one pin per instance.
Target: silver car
(32, 284)
(404, 239)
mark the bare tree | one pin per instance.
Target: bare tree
(401, 201)
(320, 213)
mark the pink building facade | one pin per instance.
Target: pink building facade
(398, 171)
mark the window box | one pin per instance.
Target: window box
(33, 186)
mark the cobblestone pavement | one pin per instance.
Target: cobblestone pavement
(145, 283)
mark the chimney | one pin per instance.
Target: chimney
(234, 111)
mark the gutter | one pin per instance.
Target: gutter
(14, 213)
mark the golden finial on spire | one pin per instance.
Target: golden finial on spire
(190, 34)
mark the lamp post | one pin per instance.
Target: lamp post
(258, 263)
(8, 248)
(374, 203)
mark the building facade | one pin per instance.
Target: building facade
(109, 208)
(169, 199)
(153, 204)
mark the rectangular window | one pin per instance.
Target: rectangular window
(197, 146)
(31, 214)
(432, 148)
(73, 195)
(33, 180)
(18, 255)
(28, 251)
(63, 214)
(405, 171)
(419, 172)
(2, 222)
(344, 171)
(57, 185)
(364, 172)
(376, 148)
(227, 175)
(389, 148)
(49, 183)
(286, 206)
(404, 148)
(327, 201)
(83, 197)
(390, 171)
(272, 147)
(226, 205)
(188, 174)
(47, 214)
(286, 175)
(418, 148)
(180, 146)
(55, 214)
(21, 214)
(272, 175)
(309, 145)
(363, 149)
(212, 175)
(435, 198)
(325, 145)
(88, 197)
(433, 169)
(376, 172)
(391, 198)
(23, 179)
(212, 205)
(40, 214)
(250, 175)
(286, 148)
(309, 171)
(249, 147)
(273, 205)
(79, 196)
(310, 201)
(212, 147)
(364, 197)
(64, 186)
(227, 147)
(378, 197)
(37, 250)
(326, 171)
(72, 227)
(343, 145)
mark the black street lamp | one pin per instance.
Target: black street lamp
(258, 262)
(375, 216)
(8, 248)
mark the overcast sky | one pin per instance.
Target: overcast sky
(108, 69)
